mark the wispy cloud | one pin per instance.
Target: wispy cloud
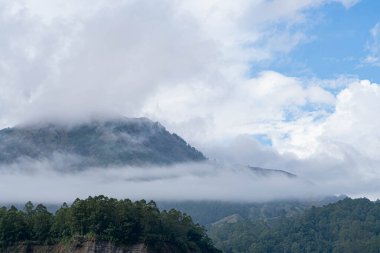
(373, 47)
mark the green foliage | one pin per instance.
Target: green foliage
(13, 226)
(107, 219)
(348, 226)
(208, 212)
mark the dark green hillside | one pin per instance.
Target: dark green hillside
(116, 142)
(121, 222)
(348, 226)
(208, 212)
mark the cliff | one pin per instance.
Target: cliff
(89, 246)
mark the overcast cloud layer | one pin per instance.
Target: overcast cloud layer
(188, 64)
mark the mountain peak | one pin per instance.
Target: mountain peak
(100, 142)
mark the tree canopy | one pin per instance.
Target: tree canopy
(107, 219)
(348, 226)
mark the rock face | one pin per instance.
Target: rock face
(99, 247)
(80, 247)
(229, 220)
(116, 142)
(91, 246)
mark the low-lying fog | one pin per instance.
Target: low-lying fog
(36, 181)
(41, 181)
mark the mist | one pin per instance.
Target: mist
(226, 176)
(37, 181)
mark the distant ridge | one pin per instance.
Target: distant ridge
(112, 142)
(270, 172)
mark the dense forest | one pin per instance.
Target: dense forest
(106, 219)
(209, 212)
(348, 226)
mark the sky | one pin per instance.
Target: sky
(282, 84)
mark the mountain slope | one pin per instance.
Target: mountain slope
(123, 141)
(270, 172)
(210, 212)
(101, 224)
(349, 226)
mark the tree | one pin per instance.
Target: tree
(42, 223)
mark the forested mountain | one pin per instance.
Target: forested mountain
(121, 141)
(348, 226)
(104, 143)
(209, 212)
(121, 222)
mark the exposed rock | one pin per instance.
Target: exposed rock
(80, 247)
(229, 219)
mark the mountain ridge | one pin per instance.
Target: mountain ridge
(122, 141)
(105, 143)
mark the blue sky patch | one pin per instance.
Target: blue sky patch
(336, 45)
(263, 139)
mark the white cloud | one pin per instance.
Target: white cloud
(250, 106)
(348, 3)
(373, 47)
(355, 120)
(109, 62)
(73, 58)
(350, 128)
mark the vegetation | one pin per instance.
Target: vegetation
(208, 212)
(118, 221)
(347, 226)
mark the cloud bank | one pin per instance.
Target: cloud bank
(198, 181)
(72, 59)
(190, 65)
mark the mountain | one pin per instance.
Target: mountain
(211, 212)
(349, 226)
(122, 141)
(104, 143)
(270, 172)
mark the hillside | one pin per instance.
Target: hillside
(122, 141)
(81, 246)
(348, 226)
(96, 221)
(209, 212)
(91, 246)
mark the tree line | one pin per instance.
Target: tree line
(348, 226)
(106, 219)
